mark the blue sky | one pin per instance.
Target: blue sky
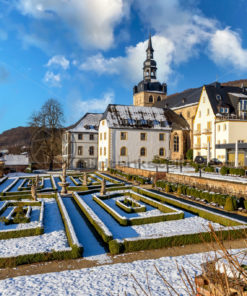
(89, 53)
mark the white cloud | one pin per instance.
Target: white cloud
(92, 105)
(52, 79)
(91, 22)
(226, 48)
(130, 65)
(58, 60)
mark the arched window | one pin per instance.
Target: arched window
(176, 143)
(158, 99)
(151, 99)
(143, 151)
(123, 151)
(147, 73)
(91, 150)
(162, 152)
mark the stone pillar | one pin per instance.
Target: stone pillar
(84, 179)
(102, 190)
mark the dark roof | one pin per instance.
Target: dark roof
(123, 116)
(186, 97)
(192, 96)
(224, 96)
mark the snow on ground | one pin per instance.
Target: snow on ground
(176, 227)
(33, 223)
(107, 280)
(54, 237)
(189, 171)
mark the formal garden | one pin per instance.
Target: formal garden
(99, 214)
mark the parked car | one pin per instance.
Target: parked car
(200, 160)
(215, 161)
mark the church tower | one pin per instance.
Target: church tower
(149, 90)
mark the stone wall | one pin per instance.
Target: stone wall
(225, 187)
(140, 172)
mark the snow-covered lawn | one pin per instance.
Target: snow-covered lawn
(54, 237)
(33, 223)
(107, 280)
(176, 227)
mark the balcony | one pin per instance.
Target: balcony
(231, 117)
(197, 146)
(197, 132)
(207, 131)
(205, 146)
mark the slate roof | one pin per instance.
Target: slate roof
(229, 97)
(224, 96)
(178, 100)
(89, 123)
(137, 117)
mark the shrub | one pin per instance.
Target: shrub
(179, 189)
(189, 154)
(209, 169)
(245, 204)
(168, 187)
(229, 205)
(224, 171)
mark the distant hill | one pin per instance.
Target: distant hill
(19, 136)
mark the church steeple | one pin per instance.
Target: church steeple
(150, 50)
(149, 66)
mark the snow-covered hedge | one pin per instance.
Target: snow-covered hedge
(108, 178)
(172, 215)
(53, 183)
(22, 184)
(209, 215)
(70, 232)
(98, 224)
(10, 185)
(130, 209)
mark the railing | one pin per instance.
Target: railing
(231, 117)
(207, 130)
(197, 146)
(197, 132)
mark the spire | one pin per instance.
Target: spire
(149, 66)
(150, 49)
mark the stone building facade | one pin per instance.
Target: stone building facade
(80, 143)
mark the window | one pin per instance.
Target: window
(162, 137)
(143, 151)
(151, 99)
(218, 141)
(198, 127)
(208, 139)
(224, 141)
(162, 152)
(207, 112)
(91, 150)
(79, 150)
(199, 114)
(158, 99)
(123, 136)
(80, 137)
(104, 151)
(103, 122)
(143, 136)
(209, 125)
(224, 127)
(100, 136)
(218, 128)
(176, 143)
(226, 110)
(100, 151)
(104, 136)
(123, 151)
(91, 137)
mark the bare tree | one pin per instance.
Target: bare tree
(46, 142)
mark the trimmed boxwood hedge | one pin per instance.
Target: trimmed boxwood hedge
(130, 209)
(106, 238)
(132, 245)
(78, 251)
(202, 213)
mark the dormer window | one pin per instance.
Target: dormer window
(224, 110)
(218, 98)
(151, 99)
